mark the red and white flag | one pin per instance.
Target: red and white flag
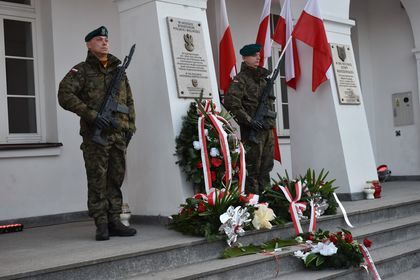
(264, 33)
(227, 58)
(281, 35)
(310, 30)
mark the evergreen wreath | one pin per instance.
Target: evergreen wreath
(188, 150)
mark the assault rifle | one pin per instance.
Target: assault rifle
(110, 105)
(262, 110)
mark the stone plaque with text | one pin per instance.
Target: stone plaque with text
(345, 75)
(189, 58)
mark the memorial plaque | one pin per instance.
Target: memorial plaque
(345, 75)
(189, 58)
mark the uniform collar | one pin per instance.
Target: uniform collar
(113, 62)
(259, 72)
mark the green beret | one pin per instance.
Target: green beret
(100, 31)
(250, 49)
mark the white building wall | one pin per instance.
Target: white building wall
(55, 183)
(32, 185)
(387, 65)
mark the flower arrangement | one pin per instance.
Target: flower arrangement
(200, 215)
(331, 250)
(221, 211)
(315, 188)
(189, 147)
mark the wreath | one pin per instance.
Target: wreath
(189, 148)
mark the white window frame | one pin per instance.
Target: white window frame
(25, 13)
(281, 131)
(16, 6)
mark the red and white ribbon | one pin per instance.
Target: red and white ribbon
(242, 163)
(293, 208)
(218, 122)
(242, 168)
(214, 194)
(210, 198)
(204, 157)
(369, 262)
(343, 211)
(224, 146)
(312, 223)
(297, 207)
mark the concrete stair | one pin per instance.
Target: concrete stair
(392, 254)
(69, 252)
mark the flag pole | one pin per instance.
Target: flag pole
(281, 55)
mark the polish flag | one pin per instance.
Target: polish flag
(277, 154)
(263, 36)
(281, 35)
(310, 30)
(227, 58)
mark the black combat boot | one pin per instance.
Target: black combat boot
(116, 228)
(102, 232)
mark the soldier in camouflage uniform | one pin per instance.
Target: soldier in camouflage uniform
(82, 91)
(242, 99)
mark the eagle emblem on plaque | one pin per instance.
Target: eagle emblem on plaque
(341, 51)
(189, 42)
(194, 83)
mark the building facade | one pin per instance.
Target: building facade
(40, 41)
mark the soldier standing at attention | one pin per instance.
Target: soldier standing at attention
(242, 99)
(82, 92)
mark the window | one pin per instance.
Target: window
(23, 2)
(19, 96)
(280, 88)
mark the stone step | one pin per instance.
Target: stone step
(162, 254)
(413, 274)
(389, 232)
(68, 251)
(393, 262)
(262, 266)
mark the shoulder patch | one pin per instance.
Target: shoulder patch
(73, 71)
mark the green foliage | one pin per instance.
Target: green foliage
(200, 218)
(276, 199)
(269, 246)
(318, 186)
(189, 158)
(348, 252)
(314, 187)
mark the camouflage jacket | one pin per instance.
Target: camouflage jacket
(83, 90)
(242, 97)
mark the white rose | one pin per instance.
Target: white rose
(262, 217)
(325, 249)
(328, 250)
(301, 255)
(197, 145)
(214, 152)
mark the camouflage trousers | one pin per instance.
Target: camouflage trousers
(259, 161)
(105, 170)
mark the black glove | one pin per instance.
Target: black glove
(256, 125)
(101, 122)
(128, 136)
